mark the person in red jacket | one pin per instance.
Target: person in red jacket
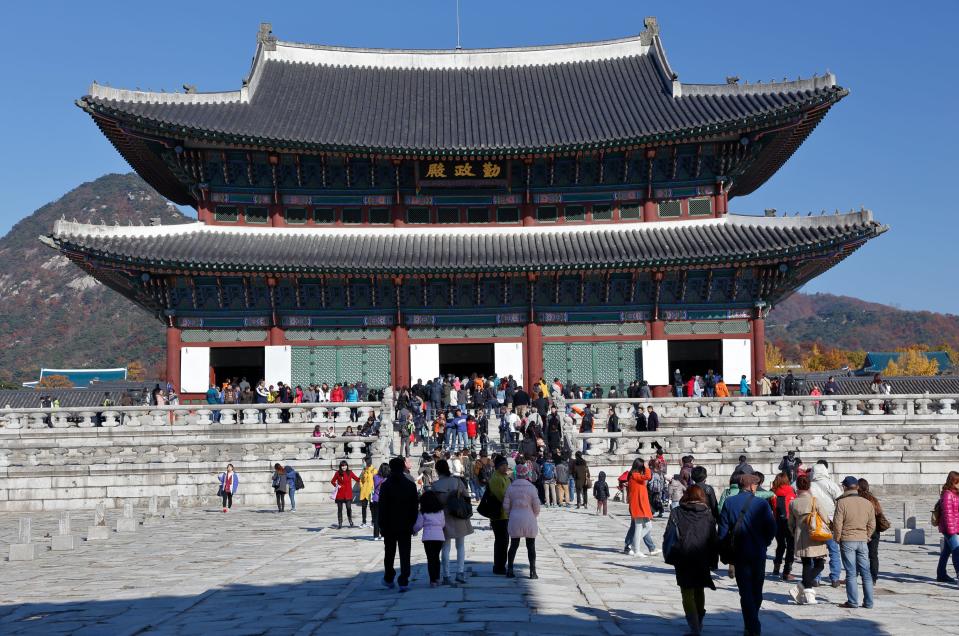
(343, 482)
(337, 394)
(783, 494)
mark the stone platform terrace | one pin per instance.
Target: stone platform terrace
(254, 571)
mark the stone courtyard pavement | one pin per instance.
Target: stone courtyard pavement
(256, 572)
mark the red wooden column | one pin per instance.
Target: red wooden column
(533, 354)
(649, 211)
(401, 354)
(657, 331)
(759, 349)
(173, 357)
(277, 336)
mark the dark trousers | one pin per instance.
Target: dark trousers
(785, 543)
(227, 499)
(375, 515)
(340, 503)
(749, 578)
(657, 503)
(433, 549)
(500, 544)
(280, 500)
(363, 505)
(581, 495)
(530, 552)
(811, 569)
(390, 543)
(873, 547)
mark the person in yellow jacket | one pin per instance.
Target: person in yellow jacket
(366, 489)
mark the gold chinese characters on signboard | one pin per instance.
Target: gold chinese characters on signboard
(440, 171)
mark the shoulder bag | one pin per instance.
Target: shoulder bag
(818, 530)
(727, 546)
(672, 542)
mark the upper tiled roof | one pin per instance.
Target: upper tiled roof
(487, 101)
(732, 238)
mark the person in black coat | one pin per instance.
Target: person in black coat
(554, 431)
(397, 515)
(640, 419)
(694, 552)
(652, 419)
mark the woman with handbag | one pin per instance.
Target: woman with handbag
(946, 517)
(454, 496)
(521, 505)
(882, 524)
(639, 508)
(281, 486)
(691, 546)
(804, 519)
(229, 482)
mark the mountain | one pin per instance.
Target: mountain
(849, 323)
(51, 313)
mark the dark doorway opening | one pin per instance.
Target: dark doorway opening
(695, 357)
(237, 362)
(463, 360)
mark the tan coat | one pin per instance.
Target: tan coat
(799, 510)
(855, 518)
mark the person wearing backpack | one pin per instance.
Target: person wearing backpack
(280, 486)
(549, 482)
(656, 484)
(691, 546)
(853, 523)
(748, 523)
(561, 473)
(482, 471)
(498, 485)
(296, 482)
(457, 528)
(783, 495)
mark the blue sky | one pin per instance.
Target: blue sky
(890, 146)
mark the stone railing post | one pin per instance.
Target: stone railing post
(274, 416)
(251, 416)
(945, 406)
(109, 419)
(204, 417)
(227, 416)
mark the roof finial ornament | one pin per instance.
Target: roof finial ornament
(732, 79)
(189, 88)
(651, 30)
(265, 37)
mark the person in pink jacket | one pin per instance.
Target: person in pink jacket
(949, 527)
(521, 503)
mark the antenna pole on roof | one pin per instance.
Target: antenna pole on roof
(458, 46)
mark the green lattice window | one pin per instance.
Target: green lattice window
(507, 215)
(602, 213)
(226, 214)
(477, 215)
(256, 215)
(448, 215)
(324, 215)
(670, 209)
(701, 207)
(418, 215)
(380, 216)
(295, 216)
(352, 216)
(315, 365)
(575, 214)
(546, 214)
(631, 212)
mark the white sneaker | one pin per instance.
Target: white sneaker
(641, 555)
(655, 552)
(796, 593)
(632, 553)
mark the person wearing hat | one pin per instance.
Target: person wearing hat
(521, 505)
(751, 519)
(498, 484)
(852, 526)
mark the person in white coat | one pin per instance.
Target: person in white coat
(825, 490)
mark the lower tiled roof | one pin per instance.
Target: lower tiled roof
(730, 239)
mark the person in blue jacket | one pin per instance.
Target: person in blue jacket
(352, 395)
(291, 476)
(229, 482)
(755, 532)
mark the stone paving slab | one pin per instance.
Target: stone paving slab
(254, 571)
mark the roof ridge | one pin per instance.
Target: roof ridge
(814, 83)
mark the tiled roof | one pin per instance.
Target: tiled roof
(492, 101)
(901, 385)
(30, 398)
(435, 249)
(877, 361)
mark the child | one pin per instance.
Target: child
(431, 520)
(676, 491)
(316, 447)
(601, 493)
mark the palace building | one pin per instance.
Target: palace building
(388, 215)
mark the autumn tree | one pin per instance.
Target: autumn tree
(912, 362)
(774, 357)
(55, 382)
(136, 372)
(824, 358)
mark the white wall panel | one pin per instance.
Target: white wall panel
(278, 364)
(424, 361)
(194, 369)
(737, 360)
(508, 360)
(656, 362)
